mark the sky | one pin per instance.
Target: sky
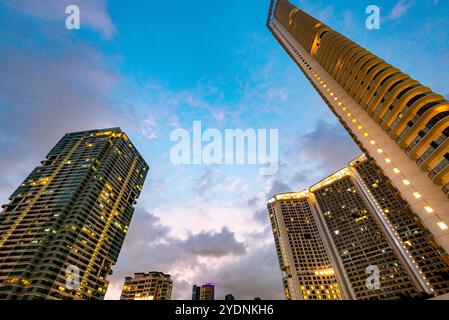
(151, 67)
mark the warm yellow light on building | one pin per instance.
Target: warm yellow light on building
(406, 182)
(442, 225)
(417, 195)
(429, 209)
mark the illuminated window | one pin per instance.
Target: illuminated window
(406, 182)
(429, 209)
(372, 142)
(396, 170)
(387, 160)
(380, 150)
(442, 225)
(417, 195)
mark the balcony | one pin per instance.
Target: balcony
(446, 189)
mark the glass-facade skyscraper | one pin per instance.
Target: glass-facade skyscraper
(64, 226)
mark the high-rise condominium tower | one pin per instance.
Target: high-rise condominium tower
(350, 223)
(397, 121)
(308, 267)
(207, 291)
(358, 238)
(204, 292)
(65, 224)
(417, 246)
(151, 286)
(196, 292)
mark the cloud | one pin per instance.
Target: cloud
(278, 187)
(211, 244)
(299, 178)
(51, 84)
(255, 275)
(326, 149)
(93, 14)
(348, 19)
(399, 10)
(149, 246)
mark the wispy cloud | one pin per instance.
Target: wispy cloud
(400, 10)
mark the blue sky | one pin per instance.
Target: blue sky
(153, 66)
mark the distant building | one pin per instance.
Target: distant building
(151, 286)
(196, 293)
(207, 291)
(204, 292)
(229, 297)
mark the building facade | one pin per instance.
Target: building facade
(229, 297)
(359, 224)
(64, 226)
(394, 119)
(207, 292)
(196, 293)
(428, 261)
(148, 286)
(204, 292)
(360, 241)
(309, 270)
